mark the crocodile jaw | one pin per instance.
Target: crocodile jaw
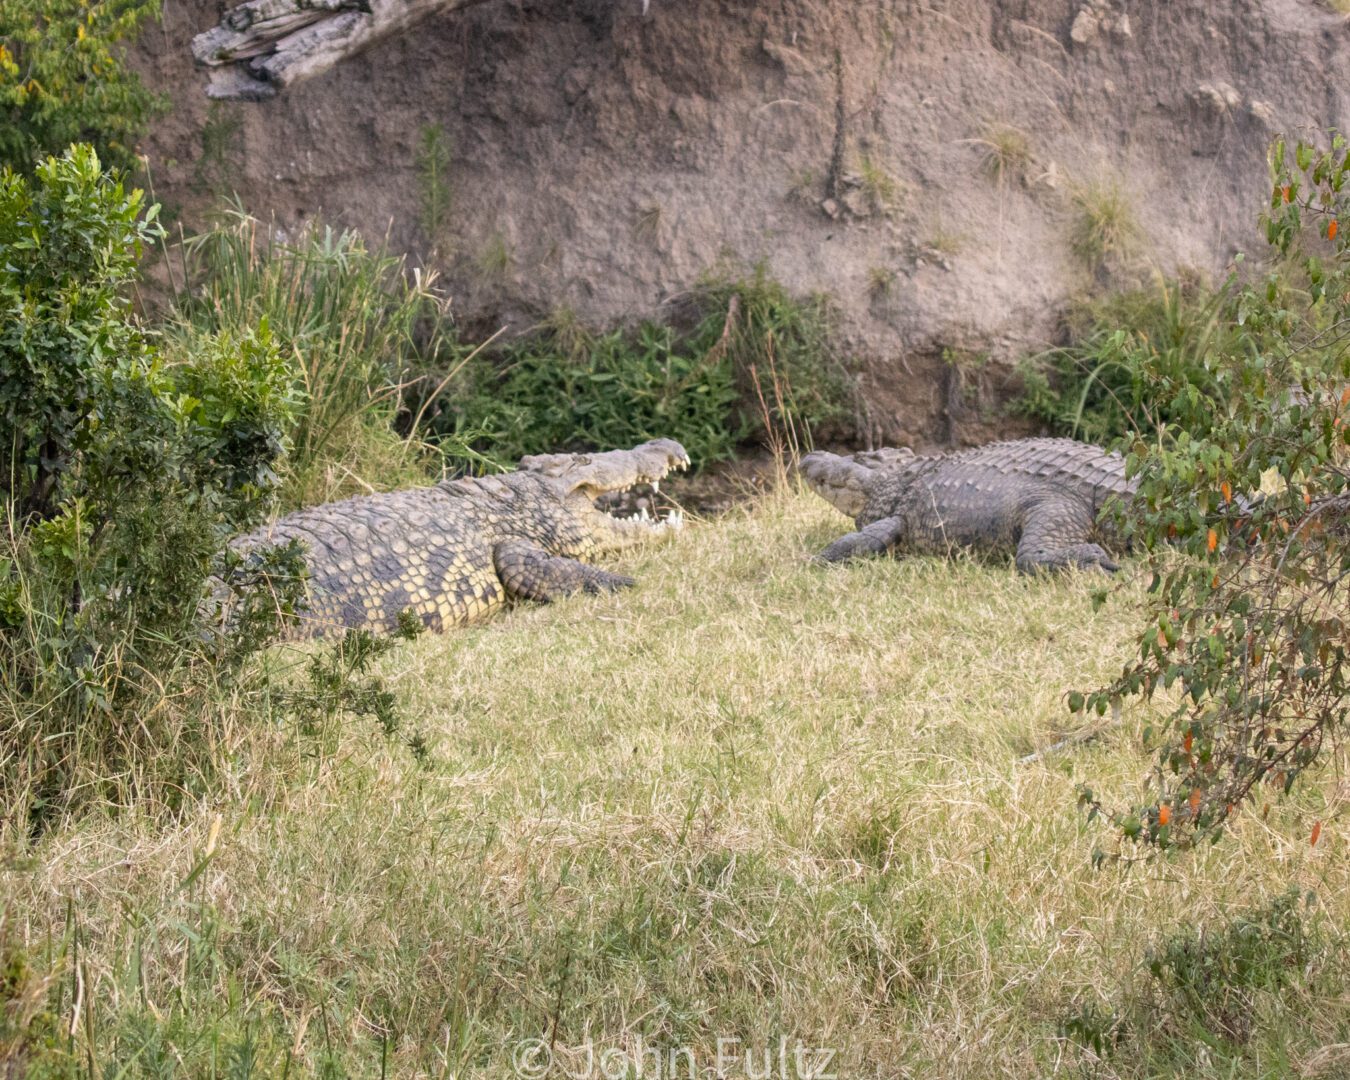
(583, 478)
(614, 470)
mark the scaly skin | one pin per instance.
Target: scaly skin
(1041, 499)
(456, 552)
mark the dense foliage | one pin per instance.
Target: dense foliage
(124, 470)
(755, 364)
(1101, 387)
(351, 322)
(1242, 508)
(63, 79)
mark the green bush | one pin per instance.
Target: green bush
(351, 324)
(755, 364)
(1212, 983)
(1241, 510)
(124, 473)
(1101, 387)
(63, 80)
(1212, 974)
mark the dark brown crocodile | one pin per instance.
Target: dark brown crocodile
(457, 551)
(1040, 499)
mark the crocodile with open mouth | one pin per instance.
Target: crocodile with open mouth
(455, 552)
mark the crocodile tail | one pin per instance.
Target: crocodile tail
(840, 481)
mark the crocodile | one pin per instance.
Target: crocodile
(1040, 499)
(455, 552)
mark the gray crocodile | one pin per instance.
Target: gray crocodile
(1040, 499)
(459, 550)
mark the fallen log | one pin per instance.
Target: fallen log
(260, 47)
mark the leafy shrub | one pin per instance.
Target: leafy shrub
(756, 362)
(1242, 508)
(1209, 979)
(30, 1031)
(1211, 974)
(123, 475)
(622, 389)
(351, 323)
(1102, 388)
(63, 80)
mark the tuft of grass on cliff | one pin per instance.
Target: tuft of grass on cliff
(752, 800)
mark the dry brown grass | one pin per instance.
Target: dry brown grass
(752, 798)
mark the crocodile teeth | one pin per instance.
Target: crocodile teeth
(656, 487)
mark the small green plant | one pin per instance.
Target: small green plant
(1005, 153)
(221, 149)
(1095, 1026)
(805, 185)
(572, 337)
(1104, 232)
(63, 80)
(338, 685)
(433, 182)
(880, 281)
(879, 184)
(495, 259)
(1212, 974)
(945, 241)
(1208, 981)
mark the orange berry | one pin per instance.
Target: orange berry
(1164, 814)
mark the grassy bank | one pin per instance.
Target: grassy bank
(751, 799)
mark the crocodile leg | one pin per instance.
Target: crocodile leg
(1055, 537)
(874, 539)
(531, 573)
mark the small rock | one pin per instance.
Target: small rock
(1086, 26)
(788, 58)
(1120, 27)
(1207, 98)
(1263, 112)
(831, 208)
(1218, 98)
(858, 203)
(1109, 86)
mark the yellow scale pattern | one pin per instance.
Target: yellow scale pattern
(428, 551)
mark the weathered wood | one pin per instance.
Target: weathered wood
(260, 47)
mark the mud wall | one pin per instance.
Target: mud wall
(602, 160)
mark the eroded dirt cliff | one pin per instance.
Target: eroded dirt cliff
(602, 160)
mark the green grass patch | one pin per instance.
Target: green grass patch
(752, 798)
